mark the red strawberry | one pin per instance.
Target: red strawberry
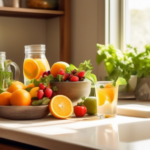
(48, 92)
(42, 86)
(66, 76)
(74, 79)
(61, 72)
(40, 94)
(45, 74)
(81, 74)
(70, 76)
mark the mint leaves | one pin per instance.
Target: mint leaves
(85, 66)
(45, 80)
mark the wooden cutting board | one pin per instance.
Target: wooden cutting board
(134, 110)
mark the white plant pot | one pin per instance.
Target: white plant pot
(130, 87)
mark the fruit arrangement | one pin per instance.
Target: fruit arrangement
(40, 92)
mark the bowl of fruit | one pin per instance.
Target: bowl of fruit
(71, 81)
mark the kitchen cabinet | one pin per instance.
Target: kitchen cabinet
(63, 13)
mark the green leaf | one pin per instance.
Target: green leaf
(100, 58)
(91, 77)
(70, 68)
(59, 77)
(101, 86)
(28, 89)
(54, 88)
(83, 98)
(86, 66)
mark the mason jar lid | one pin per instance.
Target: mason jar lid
(35, 48)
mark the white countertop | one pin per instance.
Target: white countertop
(119, 133)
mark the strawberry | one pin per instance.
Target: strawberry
(45, 74)
(40, 94)
(61, 72)
(66, 76)
(74, 79)
(81, 74)
(48, 92)
(42, 86)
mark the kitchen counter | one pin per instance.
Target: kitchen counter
(119, 133)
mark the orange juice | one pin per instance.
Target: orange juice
(34, 68)
(107, 97)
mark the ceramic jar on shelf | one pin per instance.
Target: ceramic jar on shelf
(42, 4)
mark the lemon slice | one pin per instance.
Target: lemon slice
(31, 69)
(121, 81)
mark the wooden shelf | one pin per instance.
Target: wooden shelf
(29, 13)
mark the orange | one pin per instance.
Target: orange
(31, 68)
(5, 98)
(15, 85)
(57, 66)
(61, 107)
(31, 85)
(43, 65)
(33, 92)
(20, 98)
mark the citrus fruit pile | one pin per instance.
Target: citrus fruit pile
(15, 95)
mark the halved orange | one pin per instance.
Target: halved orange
(61, 107)
(31, 69)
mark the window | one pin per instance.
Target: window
(136, 23)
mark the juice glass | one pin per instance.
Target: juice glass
(35, 63)
(107, 97)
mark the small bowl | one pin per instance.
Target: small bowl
(24, 112)
(73, 90)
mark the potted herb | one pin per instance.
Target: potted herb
(118, 64)
(142, 65)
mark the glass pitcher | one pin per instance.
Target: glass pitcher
(35, 62)
(6, 74)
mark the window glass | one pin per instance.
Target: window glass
(138, 23)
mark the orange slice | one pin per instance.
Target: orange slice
(102, 97)
(43, 66)
(61, 107)
(110, 93)
(31, 69)
(109, 85)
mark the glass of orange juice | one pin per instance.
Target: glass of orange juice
(35, 63)
(107, 97)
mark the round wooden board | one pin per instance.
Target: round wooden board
(24, 112)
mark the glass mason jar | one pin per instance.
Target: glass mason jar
(6, 74)
(35, 63)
